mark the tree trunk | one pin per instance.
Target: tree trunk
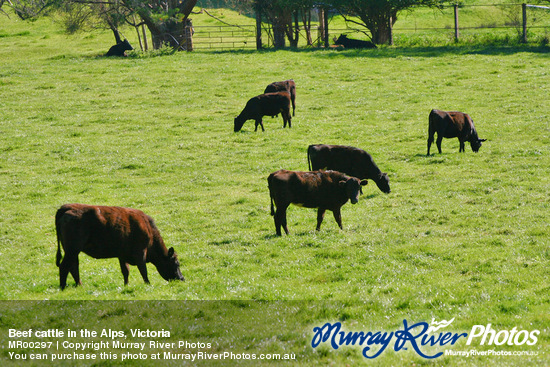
(279, 39)
(172, 31)
(321, 29)
(117, 35)
(306, 21)
(381, 28)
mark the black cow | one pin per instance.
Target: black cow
(286, 85)
(351, 43)
(452, 124)
(119, 49)
(269, 104)
(325, 190)
(349, 160)
(108, 231)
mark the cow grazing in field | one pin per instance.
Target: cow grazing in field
(109, 231)
(286, 85)
(325, 190)
(119, 49)
(268, 104)
(349, 160)
(343, 40)
(453, 124)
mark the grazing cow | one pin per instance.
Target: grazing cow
(453, 125)
(351, 43)
(286, 85)
(119, 49)
(109, 231)
(349, 160)
(319, 189)
(268, 104)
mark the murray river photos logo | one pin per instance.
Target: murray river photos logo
(419, 336)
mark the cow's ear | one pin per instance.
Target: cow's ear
(364, 182)
(170, 252)
(480, 140)
(342, 183)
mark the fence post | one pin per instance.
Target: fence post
(524, 21)
(188, 33)
(456, 23)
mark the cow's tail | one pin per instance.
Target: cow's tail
(308, 158)
(269, 183)
(58, 256)
(431, 123)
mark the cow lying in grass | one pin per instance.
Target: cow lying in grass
(452, 125)
(119, 49)
(325, 190)
(268, 104)
(346, 42)
(286, 85)
(108, 231)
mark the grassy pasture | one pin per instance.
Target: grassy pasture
(461, 235)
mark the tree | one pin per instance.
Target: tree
(378, 16)
(28, 9)
(166, 19)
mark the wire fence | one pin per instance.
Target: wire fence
(224, 37)
(469, 23)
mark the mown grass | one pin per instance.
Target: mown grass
(461, 235)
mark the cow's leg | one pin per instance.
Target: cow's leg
(280, 219)
(68, 264)
(125, 268)
(320, 216)
(75, 272)
(430, 142)
(259, 122)
(283, 222)
(461, 149)
(63, 272)
(277, 222)
(143, 271)
(438, 142)
(286, 118)
(338, 217)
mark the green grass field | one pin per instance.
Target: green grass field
(461, 235)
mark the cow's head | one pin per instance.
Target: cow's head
(238, 124)
(352, 187)
(169, 269)
(342, 38)
(476, 144)
(125, 45)
(383, 183)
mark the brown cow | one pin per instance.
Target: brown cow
(286, 85)
(325, 190)
(109, 231)
(452, 124)
(349, 160)
(269, 104)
